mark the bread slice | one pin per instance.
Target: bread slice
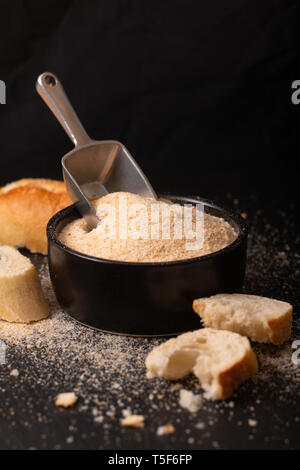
(221, 360)
(25, 208)
(21, 296)
(261, 319)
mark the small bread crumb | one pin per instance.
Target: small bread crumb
(252, 422)
(66, 399)
(189, 401)
(134, 421)
(99, 419)
(14, 373)
(166, 429)
(200, 425)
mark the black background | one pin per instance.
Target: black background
(199, 92)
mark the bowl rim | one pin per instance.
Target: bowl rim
(243, 228)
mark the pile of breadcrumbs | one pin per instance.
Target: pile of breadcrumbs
(136, 229)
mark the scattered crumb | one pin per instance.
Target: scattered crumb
(166, 429)
(134, 421)
(189, 401)
(14, 373)
(252, 422)
(216, 445)
(66, 399)
(200, 425)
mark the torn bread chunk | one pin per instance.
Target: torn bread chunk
(221, 360)
(66, 399)
(261, 319)
(21, 296)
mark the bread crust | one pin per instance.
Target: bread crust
(231, 378)
(280, 328)
(25, 208)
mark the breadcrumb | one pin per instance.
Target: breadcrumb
(133, 421)
(166, 429)
(189, 401)
(66, 399)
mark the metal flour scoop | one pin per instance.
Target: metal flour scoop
(93, 168)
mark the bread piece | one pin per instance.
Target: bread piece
(21, 296)
(221, 360)
(261, 319)
(25, 208)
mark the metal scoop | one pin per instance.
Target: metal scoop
(93, 168)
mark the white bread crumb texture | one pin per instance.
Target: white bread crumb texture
(261, 319)
(221, 360)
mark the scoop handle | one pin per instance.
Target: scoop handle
(50, 89)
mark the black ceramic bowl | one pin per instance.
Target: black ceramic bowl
(142, 298)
